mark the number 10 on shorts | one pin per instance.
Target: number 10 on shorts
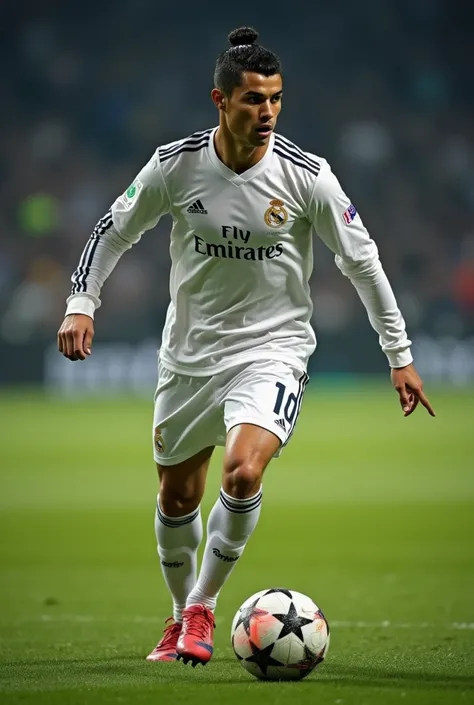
(291, 404)
(287, 404)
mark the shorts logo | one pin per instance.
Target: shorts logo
(159, 442)
(281, 423)
(276, 215)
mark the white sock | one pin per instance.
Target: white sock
(229, 527)
(178, 541)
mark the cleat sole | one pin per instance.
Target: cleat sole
(187, 659)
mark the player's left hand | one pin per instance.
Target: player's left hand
(409, 386)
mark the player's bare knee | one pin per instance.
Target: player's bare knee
(176, 505)
(242, 479)
(178, 501)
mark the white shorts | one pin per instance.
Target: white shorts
(192, 413)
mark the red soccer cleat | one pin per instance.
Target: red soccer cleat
(196, 638)
(165, 650)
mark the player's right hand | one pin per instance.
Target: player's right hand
(75, 336)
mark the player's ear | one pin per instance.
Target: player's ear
(218, 98)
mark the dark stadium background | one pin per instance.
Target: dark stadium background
(384, 91)
(367, 512)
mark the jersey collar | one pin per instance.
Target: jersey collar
(238, 179)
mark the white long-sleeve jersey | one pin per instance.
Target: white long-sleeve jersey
(241, 255)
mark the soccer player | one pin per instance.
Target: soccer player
(237, 338)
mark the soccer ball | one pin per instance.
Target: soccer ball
(280, 634)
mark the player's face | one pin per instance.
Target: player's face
(252, 110)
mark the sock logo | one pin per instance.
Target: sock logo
(226, 559)
(173, 564)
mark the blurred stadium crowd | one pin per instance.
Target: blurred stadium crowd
(383, 90)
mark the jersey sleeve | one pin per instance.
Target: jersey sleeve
(338, 224)
(138, 209)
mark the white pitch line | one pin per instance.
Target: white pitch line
(386, 624)
(88, 619)
(335, 624)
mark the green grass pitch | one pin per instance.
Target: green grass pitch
(369, 513)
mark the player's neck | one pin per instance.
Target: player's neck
(235, 155)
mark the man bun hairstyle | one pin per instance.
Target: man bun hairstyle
(243, 35)
(244, 54)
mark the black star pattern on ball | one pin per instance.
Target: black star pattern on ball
(306, 664)
(283, 590)
(246, 615)
(262, 658)
(239, 657)
(292, 623)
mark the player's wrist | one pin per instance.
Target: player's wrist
(399, 359)
(79, 303)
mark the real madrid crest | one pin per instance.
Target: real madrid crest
(276, 215)
(159, 443)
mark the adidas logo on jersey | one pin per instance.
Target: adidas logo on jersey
(197, 207)
(281, 422)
